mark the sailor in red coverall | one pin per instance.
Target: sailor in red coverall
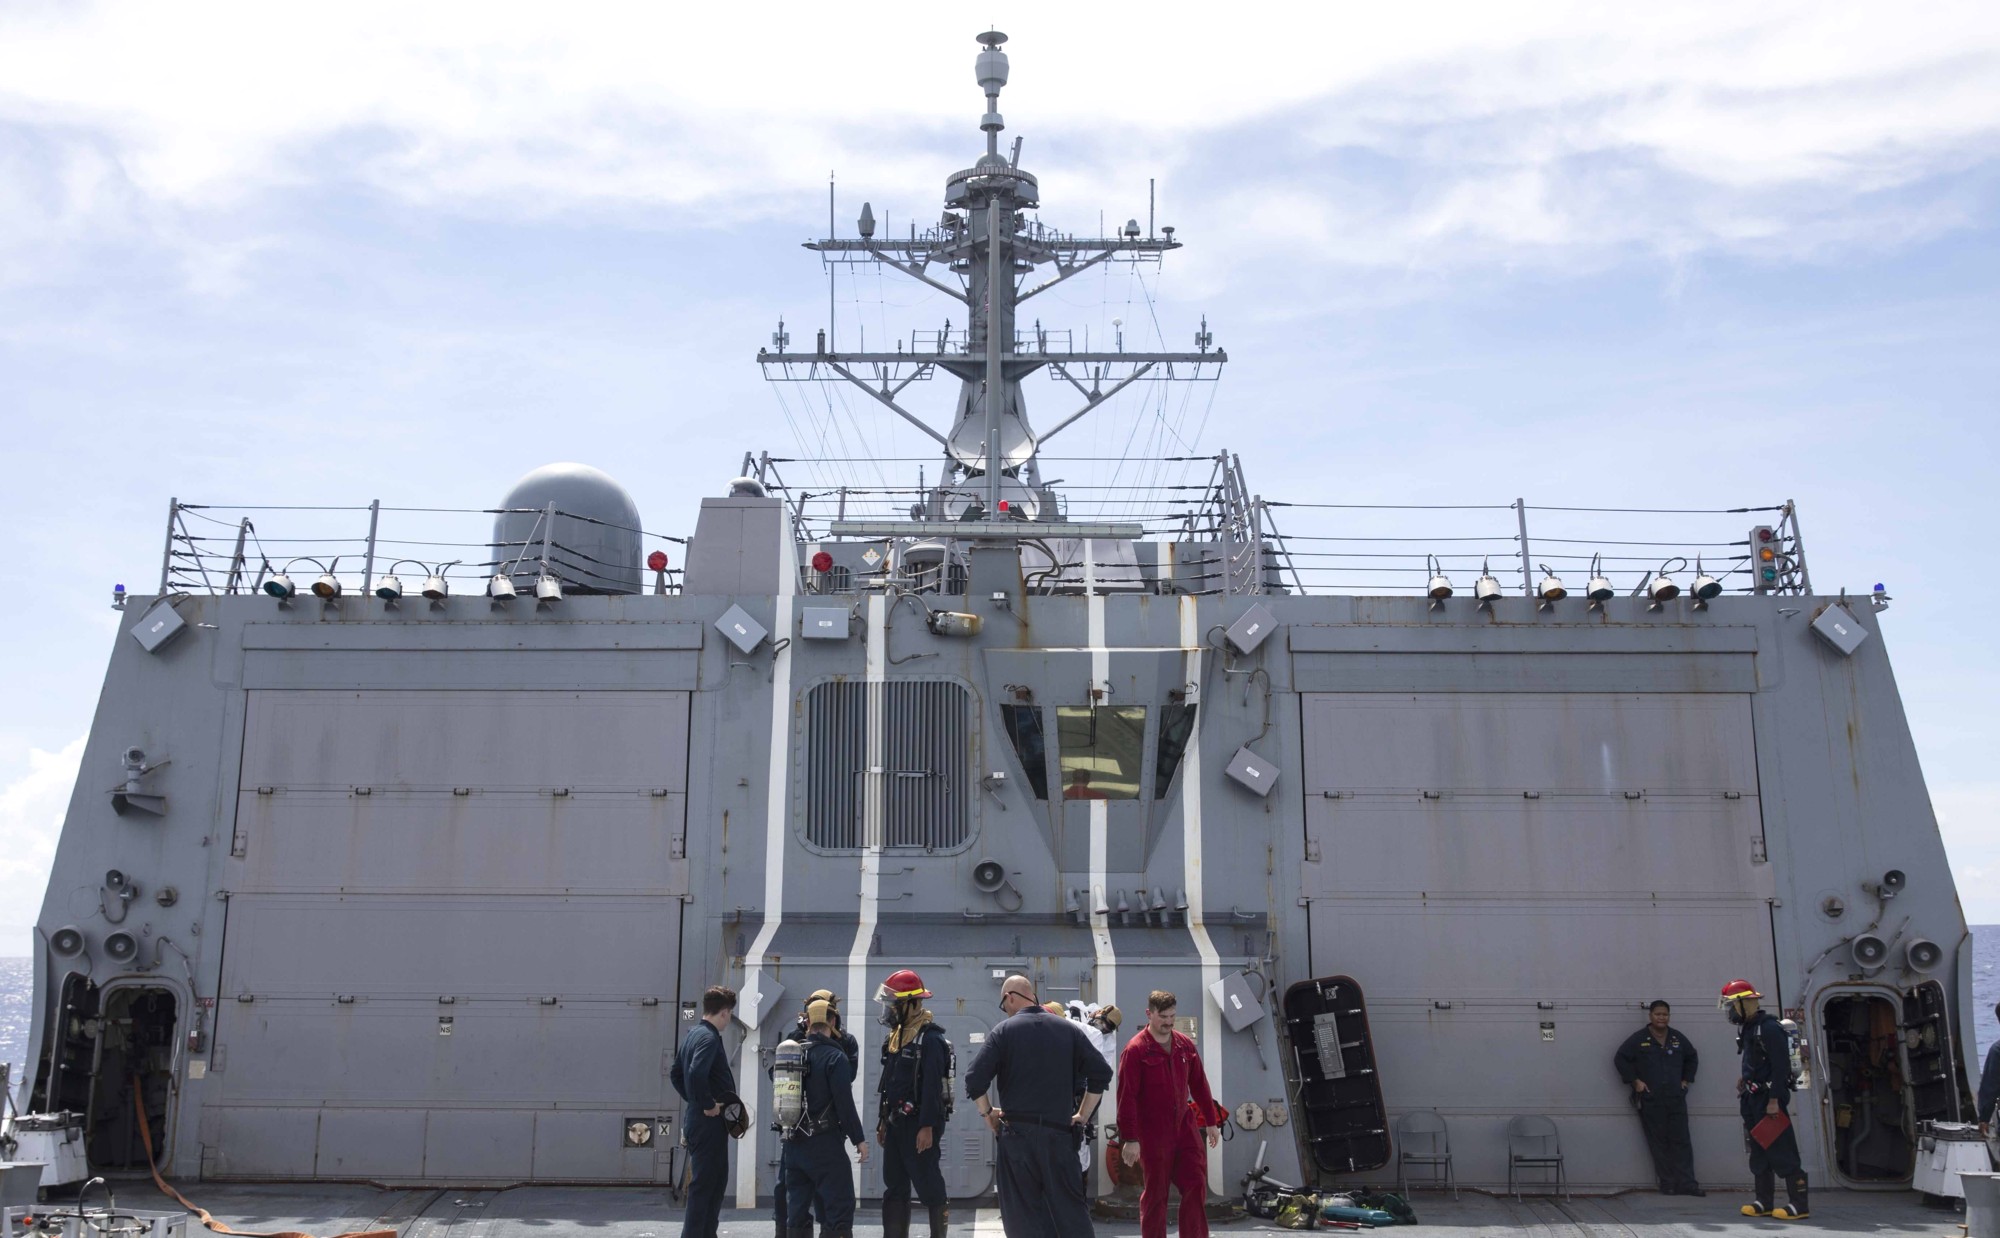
(1163, 1107)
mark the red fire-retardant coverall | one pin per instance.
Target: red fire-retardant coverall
(1155, 1086)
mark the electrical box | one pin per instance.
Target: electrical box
(1837, 626)
(1240, 1007)
(158, 626)
(740, 630)
(824, 623)
(1252, 771)
(1252, 629)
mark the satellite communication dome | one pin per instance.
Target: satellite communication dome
(593, 544)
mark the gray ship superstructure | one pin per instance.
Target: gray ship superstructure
(414, 873)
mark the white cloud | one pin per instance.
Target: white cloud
(32, 808)
(1506, 130)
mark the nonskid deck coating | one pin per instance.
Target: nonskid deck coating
(625, 1212)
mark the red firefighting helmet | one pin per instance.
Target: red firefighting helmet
(901, 985)
(1736, 989)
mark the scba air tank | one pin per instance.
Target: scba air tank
(788, 1084)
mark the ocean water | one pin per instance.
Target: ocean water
(16, 979)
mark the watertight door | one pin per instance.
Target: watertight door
(1342, 1118)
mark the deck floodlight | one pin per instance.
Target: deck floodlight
(548, 589)
(281, 587)
(389, 588)
(1550, 590)
(327, 587)
(1662, 587)
(1705, 586)
(1440, 586)
(436, 586)
(1599, 590)
(500, 588)
(1487, 587)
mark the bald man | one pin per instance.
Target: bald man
(1036, 1059)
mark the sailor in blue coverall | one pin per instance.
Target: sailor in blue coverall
(820, 1179)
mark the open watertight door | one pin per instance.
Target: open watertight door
(1342, 1120)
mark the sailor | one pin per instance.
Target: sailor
(1989, 1088)
(915, 1090)
(801, 1030)
(702, 1076)
(1165, 1109)
(1036, 1060)
(820, 1179)
(1764, 1092)
(1658, 1064)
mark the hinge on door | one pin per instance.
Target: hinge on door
(1758, 854)
(239, 844)
(1312, 851)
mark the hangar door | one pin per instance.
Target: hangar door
(452, 942)
(1512, 876)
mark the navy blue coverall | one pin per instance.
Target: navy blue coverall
(1989, 1085)
(1767, 1076)
(912, 1091)
(781, 1193)
(701, 1075)
(819, 1175)
(1666, 1066)
(1037, 1060)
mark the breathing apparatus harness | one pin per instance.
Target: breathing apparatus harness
(898, 996)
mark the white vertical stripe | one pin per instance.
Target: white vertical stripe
(776, 814)
(1211, 964)
(874, 810)
(1106, 988)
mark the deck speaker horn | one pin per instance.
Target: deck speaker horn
(121, 947)
(1922, 954)
(1870, 951)
(66, 942)
(1892, 883)
(989, 876)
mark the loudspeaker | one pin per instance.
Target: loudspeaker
(1922, 954)
(989, 876)
(1892, 883)
(1870, 951)
(114, 880)
(121, 947)
(67, 942)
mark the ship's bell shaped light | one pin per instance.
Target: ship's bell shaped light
(1440, 587)
(548, 589)
(1599, 589)
(281, 587)
(389, 588)
(327, 587)
(1705, 586)
(436, 587)
(1662, 588)
(1487, 588)
(500, 588)
(1551, 587)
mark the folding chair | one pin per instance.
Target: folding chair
(1422, 1138)
(1534, 1143)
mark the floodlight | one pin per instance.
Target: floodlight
(1487, 587)
(500, 588)
(389, 588)
(548, 589)
(281, 587)
(1599, 589)
(1705, 586)
(1551, 587)
(1440, 586)
(436, 587)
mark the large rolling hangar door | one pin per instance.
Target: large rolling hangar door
(1511, 876)
(453, 936)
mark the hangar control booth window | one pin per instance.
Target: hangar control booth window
(1100, 749)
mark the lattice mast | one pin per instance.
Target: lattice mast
(990, 253)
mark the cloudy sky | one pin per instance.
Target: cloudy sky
(1696, 256)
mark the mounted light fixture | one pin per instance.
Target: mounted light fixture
(389, 588)
(1662, 588)
(281, 587)
(500, 588)
(327, 587)
(548, 589)
(1706, 587)
(1550, 590)
(1440, 586)
(436, 587)
(1599, 590)
(1487, 588)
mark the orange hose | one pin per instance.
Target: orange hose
(146, 1138)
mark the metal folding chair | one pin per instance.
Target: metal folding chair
(1534, 1143)
(1422, 1138)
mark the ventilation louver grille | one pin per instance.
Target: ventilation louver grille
(926, 741)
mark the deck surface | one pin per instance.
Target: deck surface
(624, 1212)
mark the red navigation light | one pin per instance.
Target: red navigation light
(1764, 533)
(1005, 507)
(822, 561)
(657, 560)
